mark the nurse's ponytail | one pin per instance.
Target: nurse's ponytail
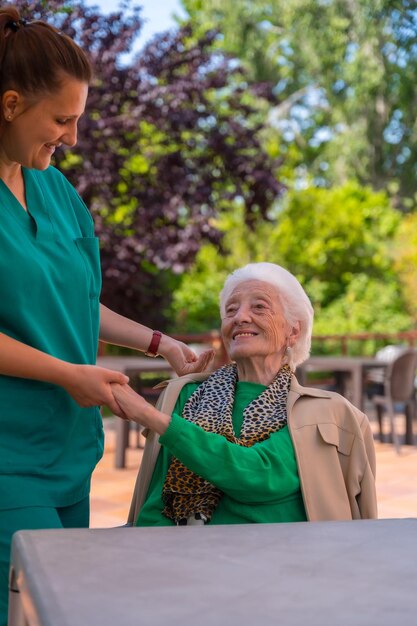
(35, 58)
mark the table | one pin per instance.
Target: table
(130, 365)
(322, 573)
(353, 367)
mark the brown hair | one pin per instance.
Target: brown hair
(35, 57)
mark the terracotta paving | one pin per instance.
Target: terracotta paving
(112, 488)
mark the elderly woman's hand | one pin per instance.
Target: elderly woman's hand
(182, 359)
(137, 409)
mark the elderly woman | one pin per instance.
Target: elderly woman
(247, 443)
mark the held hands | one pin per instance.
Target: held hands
(182, 359)
(137, 409)
(90, 385)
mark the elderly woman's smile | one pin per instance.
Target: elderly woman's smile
(240, 334)
(254, 328)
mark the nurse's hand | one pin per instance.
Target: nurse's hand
(181, 358)
(90, 385)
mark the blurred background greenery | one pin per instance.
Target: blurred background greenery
(344, 74)
(281, 130)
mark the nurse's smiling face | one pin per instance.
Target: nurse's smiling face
(35, 128)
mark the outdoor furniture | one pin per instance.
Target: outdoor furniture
(321, 573)
(399, 387)
(375, 377)
(350, 370)
(134, 367)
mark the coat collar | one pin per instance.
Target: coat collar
(297, 391)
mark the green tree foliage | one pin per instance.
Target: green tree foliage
(368, 303)
(326, 237)
(405, 253)
(338, 242)
(194, 306)
(346, 76)
(169, 140)
(195, 302)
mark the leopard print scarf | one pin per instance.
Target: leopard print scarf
(187, 496)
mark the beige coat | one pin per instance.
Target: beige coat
(333, 445)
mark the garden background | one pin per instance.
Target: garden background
(282, 131)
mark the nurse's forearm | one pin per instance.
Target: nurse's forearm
(23, 361)
(121, 331)
(88, 385)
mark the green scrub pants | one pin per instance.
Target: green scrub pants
(33, 518)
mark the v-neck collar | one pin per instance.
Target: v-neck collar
(36, 219)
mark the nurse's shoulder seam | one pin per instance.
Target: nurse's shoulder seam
(77, 202)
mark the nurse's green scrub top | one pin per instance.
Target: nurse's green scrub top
(50, 282)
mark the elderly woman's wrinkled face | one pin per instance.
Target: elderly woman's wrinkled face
(253, 324)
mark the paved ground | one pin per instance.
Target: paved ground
(112, 488)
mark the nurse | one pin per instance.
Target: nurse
(51, 434)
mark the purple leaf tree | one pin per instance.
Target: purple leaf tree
(169, 139)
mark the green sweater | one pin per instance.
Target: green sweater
(259, 484)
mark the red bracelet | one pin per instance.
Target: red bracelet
(154, 345)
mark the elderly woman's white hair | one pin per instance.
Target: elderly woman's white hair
(295, 302)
